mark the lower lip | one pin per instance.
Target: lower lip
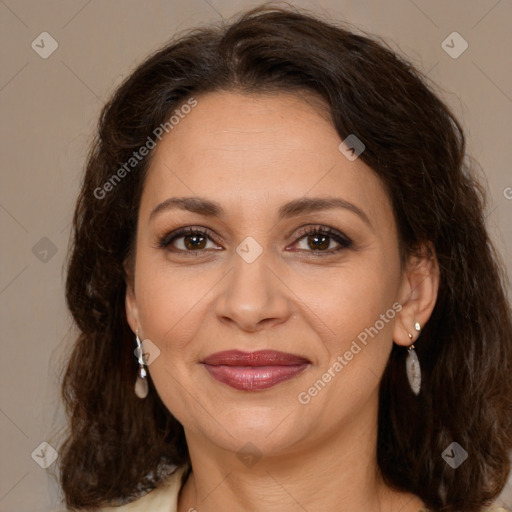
(254, 378)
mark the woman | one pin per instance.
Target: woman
(286, 295)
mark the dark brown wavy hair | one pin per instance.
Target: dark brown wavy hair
(118, 446)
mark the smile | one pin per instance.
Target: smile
(254, 371)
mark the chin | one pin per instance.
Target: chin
(269, 432)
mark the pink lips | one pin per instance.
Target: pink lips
(253, 371)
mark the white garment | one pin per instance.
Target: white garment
(165, 498)
(162, 499)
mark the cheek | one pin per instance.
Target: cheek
(355, 325)
(348, 300)
(345, 299)
(168, 298)
(339, 302)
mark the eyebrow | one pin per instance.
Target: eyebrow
(293, 208)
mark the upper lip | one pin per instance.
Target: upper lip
(258, 358)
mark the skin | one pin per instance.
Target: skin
(251, 154)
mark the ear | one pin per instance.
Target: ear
(132, 313)
(417, 295)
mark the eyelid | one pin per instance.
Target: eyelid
(167, 239)
(339, 237)
(343, 240)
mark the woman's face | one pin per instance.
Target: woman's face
(251, 277)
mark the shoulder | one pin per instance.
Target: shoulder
(162, 499)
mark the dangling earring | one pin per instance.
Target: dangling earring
(141, 383)
(412, 365)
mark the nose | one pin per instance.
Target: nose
(253, 296)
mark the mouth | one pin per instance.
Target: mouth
(254, 371)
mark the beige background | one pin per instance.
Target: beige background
(49, 108)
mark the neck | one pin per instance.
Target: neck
(337, 473)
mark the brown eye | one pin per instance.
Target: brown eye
(194, 241)
(322, 240)
(318, 242)
(189, 240)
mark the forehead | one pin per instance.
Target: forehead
(254, 150)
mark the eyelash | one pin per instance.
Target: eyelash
(338, 237)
